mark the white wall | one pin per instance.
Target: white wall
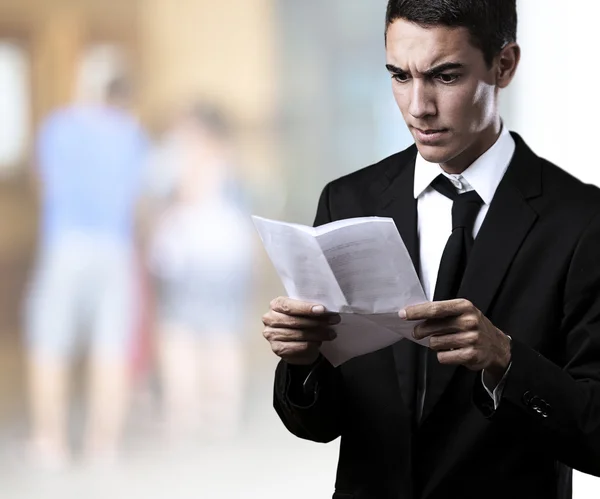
(554, 101)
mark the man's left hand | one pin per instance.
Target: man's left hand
(462, 335)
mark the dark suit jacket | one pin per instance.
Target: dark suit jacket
(534, 272)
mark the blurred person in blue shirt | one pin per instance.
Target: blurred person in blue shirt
(90, 158)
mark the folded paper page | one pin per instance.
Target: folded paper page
(359, 268)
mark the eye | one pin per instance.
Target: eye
(447, 78)
(400, 77)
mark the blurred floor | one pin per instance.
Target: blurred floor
(265, 462)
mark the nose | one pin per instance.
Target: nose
(422, 103)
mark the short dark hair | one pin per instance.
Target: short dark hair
(491, 23)
(212, 118)
(118, 88)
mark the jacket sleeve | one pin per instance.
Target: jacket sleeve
(309, 405)
(308, 398)
(562, 405)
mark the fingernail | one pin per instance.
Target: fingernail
(332, 335)
(415, 334)
(402, 314)
(318, 309)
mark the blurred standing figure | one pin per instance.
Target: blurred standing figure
(200, 257)
(89, 168)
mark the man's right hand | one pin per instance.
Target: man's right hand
(296, 329)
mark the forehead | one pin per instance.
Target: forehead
(408, 44)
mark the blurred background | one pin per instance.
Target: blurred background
(189, 116)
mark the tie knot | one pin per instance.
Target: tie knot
(465, 207)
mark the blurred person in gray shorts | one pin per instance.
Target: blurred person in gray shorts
(81, 298)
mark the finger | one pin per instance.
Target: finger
(294, 350)
(279, 335)
(277, 319)
(436, 310)
(289, 306)
(454, 341)
(437, 326)
(468, 357)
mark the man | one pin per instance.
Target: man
(506, 400)
(90, 158)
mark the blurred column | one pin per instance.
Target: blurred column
(220, 50)
(56, 51)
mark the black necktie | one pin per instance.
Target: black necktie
(465, 208)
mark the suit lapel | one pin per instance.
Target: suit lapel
(397, 201)
(509, 220)
(507, 224)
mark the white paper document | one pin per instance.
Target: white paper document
(359, 268)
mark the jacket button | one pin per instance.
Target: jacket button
(527, 396)
(547, 409)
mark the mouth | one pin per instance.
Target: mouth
(429, 136)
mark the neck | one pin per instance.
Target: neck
(487, 138)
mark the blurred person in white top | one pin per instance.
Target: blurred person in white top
(200, 257)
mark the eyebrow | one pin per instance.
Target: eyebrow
(440, 68)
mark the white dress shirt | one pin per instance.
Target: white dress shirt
(435, 210)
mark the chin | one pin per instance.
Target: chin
(435, 154)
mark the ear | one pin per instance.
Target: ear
(506, 64)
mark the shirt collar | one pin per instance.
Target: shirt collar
(484, 175)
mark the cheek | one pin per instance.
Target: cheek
(401, 96)
(467, 107)
(454, 105)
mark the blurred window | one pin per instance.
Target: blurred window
(15, 105)
(336, 105)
